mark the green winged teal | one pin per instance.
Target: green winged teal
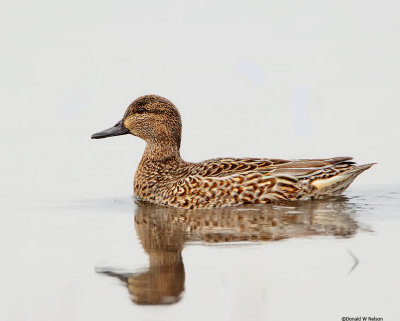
(164, 178)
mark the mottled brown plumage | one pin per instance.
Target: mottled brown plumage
(164, 178)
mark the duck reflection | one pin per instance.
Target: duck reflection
(164, 231)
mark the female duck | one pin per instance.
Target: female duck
(164, 178)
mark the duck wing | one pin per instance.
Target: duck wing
(225, 181)
(221, 167)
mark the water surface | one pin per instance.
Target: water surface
(116, 258)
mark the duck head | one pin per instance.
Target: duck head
(153, 118)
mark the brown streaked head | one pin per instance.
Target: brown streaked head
(153, 118)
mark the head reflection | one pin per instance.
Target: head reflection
(164, 231)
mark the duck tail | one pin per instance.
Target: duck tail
(358, 169)
(337, 184)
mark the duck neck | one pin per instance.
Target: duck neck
(162, 152)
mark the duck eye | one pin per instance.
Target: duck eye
(140, 110)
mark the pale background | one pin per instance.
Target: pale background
(285, 79)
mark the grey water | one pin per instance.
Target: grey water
(117, 258)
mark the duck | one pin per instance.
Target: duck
(164, 178)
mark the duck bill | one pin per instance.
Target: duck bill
(117, 130)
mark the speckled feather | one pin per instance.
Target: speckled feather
(224, 181)
(164, 178)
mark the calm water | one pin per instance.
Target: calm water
(105, 259)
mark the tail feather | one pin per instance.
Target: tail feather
(339, 183)
(360, 168)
